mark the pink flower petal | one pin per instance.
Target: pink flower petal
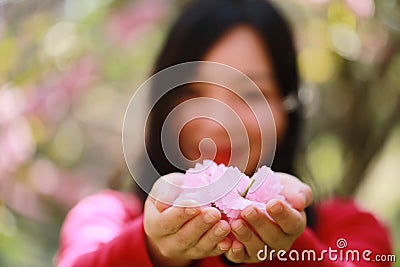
(203, 174)
(264, 186)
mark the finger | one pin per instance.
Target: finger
(247, 237)
(297, 193)
(236, 253)
(224, 245)
(170, 220)
(190, 233)
(291, 221)
(269, 232)
(213, 242)
(161, 206)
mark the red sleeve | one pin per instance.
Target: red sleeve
(105, 229)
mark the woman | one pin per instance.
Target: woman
(109, 229)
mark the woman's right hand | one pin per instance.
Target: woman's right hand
(179, 235)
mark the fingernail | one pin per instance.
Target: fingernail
(208, 218)
(191, 211)
(250, 213)
(160, 206)
(223, 246)
(276, 207)
(219, 231)
(237, 251)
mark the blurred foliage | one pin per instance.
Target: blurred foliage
(68, 69)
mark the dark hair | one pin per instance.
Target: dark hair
(201, 24)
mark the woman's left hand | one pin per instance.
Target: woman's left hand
(254, 229)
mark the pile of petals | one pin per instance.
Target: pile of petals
(262, 187)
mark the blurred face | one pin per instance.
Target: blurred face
(242, 49)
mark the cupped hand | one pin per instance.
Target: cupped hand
(179, 234)
(254, 230)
